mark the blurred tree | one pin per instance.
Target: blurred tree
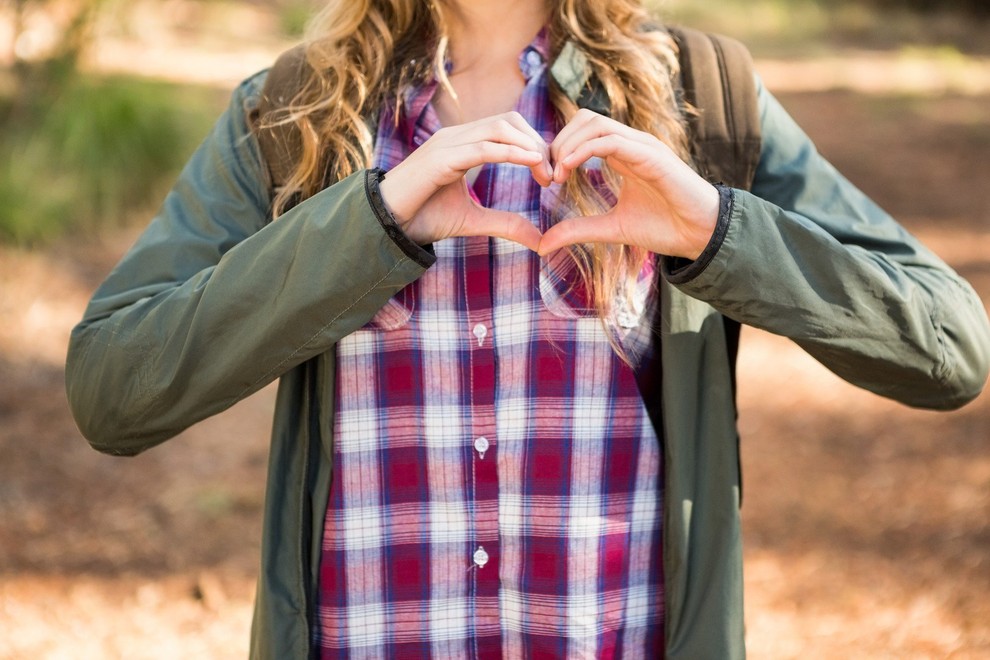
(77, 150)
(976, 7)
(72, 22)
(972, 7)
(41, 69)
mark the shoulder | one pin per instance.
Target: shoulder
(717, 71)
(719, 87)
(693, 40)
(275, 86)
(286, 76)
(269, 92)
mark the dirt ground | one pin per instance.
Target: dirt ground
(866, 523)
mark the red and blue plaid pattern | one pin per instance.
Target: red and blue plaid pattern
(496, 485)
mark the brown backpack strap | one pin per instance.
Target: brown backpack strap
(280, 143)
(718, 81)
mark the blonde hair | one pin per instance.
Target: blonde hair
(364, 53)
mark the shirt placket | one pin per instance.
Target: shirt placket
(482, 447)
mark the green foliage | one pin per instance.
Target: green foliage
(293, 15)
(80, 153)
(91, 152)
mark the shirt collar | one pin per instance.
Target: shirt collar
(533, 57)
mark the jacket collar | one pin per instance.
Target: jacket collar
(572, 73)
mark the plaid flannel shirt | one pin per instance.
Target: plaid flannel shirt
(496, 487)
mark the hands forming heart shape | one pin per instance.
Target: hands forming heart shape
(662, 205)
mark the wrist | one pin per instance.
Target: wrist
(706, 222)
(679, 270)
(394, 198)
(422, 254)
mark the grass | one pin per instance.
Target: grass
(88, 153)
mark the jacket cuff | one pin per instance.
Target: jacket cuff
(678, 270)
(422, 255)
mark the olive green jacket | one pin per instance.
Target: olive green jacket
(214, 302)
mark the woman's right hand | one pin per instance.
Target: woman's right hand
(428, 194)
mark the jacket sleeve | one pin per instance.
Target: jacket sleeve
(212, 302)
(808, 256)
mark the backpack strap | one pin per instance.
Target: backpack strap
(280, 144)
(718, 83)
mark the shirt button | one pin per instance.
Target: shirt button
(533, 58)
(480, 557)
(481, 444)
(480, 331)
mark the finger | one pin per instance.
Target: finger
(602, 147)
(520, 122)
(581, 119)
(590, 128)
(506, 128)
(623, 153)
(543, 173)
(584, 125)
(462, 158)
(409, 184)
(511, 128)
(660, 172)
(588, 229)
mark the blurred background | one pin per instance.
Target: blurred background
(867, 531)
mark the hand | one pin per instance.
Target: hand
(663, 205)
(429, 196)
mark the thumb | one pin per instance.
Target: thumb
(503, 224)
(585, 229)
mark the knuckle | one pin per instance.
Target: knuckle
(503, 125)
(491, 150)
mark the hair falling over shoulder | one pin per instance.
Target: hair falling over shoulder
(363, 53)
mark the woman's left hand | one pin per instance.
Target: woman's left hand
(663, 205)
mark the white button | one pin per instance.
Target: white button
(481, 444)
(480, 331)
(480, 557)
(533, 58)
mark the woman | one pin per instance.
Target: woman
(467, 452)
